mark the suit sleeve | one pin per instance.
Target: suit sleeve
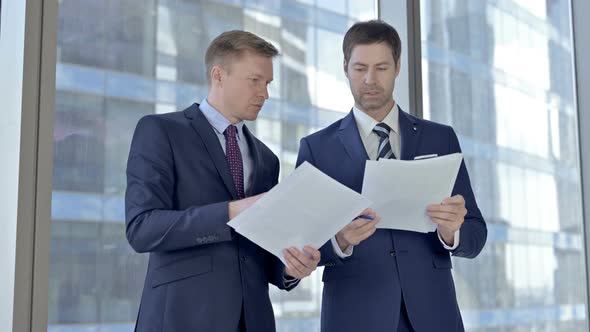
(328, 256)
(152, 224)
(473, 231)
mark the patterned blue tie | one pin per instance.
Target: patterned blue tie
(382, 130)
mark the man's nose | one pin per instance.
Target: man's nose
(264, 92)
(370, 77)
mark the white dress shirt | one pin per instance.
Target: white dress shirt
(370, 139)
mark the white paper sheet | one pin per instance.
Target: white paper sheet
(306, 208)
(401, 189)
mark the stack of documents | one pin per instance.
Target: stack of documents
(401, 190)
(306, 208)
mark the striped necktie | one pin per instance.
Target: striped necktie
(382, 130)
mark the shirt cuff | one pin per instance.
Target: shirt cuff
(455, 244)
(340, 253)
(289, 281)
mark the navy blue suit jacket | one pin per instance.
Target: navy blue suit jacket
(200, 272)
(364, 292)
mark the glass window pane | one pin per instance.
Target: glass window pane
(501, 73)
(119, 60)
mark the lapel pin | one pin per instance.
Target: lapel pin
(415, 129)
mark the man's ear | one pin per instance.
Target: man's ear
(398, 66)
(345, 67)
(216, 75)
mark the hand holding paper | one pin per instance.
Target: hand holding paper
(306, 208)
(403, 189)
(236, 207)
(358, 230)
(449, 215)
(301, 264)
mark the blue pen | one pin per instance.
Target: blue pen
(364, 216)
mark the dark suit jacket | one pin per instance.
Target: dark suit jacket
(364, 292)
(200, 272)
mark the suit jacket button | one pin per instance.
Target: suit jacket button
(392, 253)
(243, 258)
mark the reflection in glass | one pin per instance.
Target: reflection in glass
(119, 60)
(501, 72)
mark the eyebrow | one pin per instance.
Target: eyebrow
(378, 64)
(260, 77)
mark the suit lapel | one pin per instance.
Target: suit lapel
(351, 139)
(211, 141)
(257, 160)
(410, 134)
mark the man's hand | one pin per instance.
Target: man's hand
(358, 230)
(301, 264)
(236, 207)
(449, 215)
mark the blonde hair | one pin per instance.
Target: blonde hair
(233, 44)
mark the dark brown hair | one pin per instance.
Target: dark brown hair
(371, 32)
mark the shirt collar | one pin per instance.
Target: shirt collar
(217, 120)
(366, 123)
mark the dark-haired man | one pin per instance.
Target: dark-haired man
(383, 279)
